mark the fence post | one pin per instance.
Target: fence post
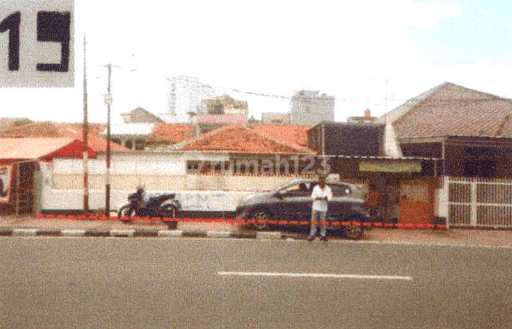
(17, 204)
(443, 200)
(474, 207)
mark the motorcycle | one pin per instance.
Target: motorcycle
(163, 206)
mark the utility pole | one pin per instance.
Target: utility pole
(85, 133)
(108, 101)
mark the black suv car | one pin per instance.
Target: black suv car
(292, 202)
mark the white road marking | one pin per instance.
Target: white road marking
(319, 275)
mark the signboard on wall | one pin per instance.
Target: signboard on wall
(5, 183)
(389, 166)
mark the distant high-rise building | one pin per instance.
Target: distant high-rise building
(184, 95)
(310, 108)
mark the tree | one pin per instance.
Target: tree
(21, 122)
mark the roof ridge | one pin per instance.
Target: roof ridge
(400, 113)
(478, 91)
(272, 138)
(213, 133)
(251, 131)
(291, 134)
(503, 125)
(450, 109)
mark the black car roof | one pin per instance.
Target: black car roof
(311, 180)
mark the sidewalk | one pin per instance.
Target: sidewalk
(28, 225)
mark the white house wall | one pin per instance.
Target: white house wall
(62, 187)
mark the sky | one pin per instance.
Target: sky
(368, 54)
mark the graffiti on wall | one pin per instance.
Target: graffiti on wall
(208, 200)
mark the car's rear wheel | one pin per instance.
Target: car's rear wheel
(354, 232)
(262, 217)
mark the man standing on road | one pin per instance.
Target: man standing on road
(321, 195)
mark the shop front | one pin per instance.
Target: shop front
(398, 190)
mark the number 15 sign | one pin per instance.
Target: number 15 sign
(36, 43)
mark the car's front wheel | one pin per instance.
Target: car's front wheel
(354, 232)
(261, 216)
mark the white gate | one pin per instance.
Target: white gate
(479, 202)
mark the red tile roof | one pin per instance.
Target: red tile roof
(63, 130)
(173, 133)
(240, 139)
(452, 110)
(286, 133)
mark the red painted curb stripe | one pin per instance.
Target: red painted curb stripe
(241, 221)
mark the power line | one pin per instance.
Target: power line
(381, 101)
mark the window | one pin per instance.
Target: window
(340, 190)
(478, 162)
(298, 190)
(208, 167)
(193, 167)
(479, 168)
(218, 110)
(140, 144)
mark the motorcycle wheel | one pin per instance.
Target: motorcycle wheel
(125, 211)
(170, 211)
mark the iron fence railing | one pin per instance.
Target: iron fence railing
(479, 202)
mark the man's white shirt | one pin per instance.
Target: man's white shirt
(318, 192)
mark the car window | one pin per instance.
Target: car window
(340, 190)
(302, 189)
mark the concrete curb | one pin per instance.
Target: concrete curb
(199, 233)
(218, 234)
(122, 233)
(138, 233)
(73, 232)
(24, 232)
(5, 231)
(268, 235)
(170, 234)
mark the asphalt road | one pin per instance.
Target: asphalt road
(231, 283)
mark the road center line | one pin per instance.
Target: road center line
(318, 275)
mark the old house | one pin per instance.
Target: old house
(133, 136)
(222, 110)
(210, 173)
(273, 118)
(399, 188)
(140, 115)
(166, 135)
(62, 130)
(471, 133)
(24, 164)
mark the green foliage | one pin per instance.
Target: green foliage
(21, 122)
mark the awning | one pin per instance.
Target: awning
(13, 149)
